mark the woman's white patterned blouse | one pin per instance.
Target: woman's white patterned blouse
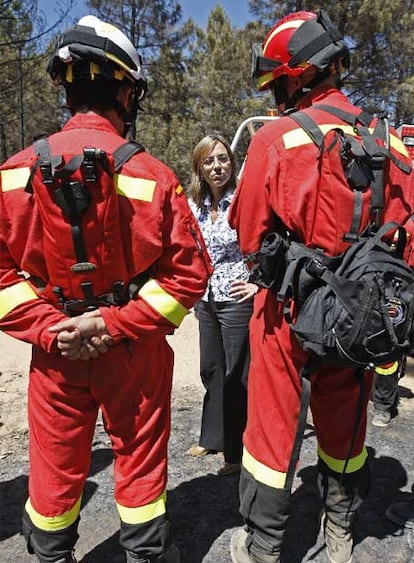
(223, 247)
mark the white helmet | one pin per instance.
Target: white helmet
(95, 48)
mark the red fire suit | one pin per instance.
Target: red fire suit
(279, 183)
(142, 223)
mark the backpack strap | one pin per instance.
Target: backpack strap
(362, 117)
(381, 131)
(45, 162)
(369, 148)
(305, 373)
(123, 153)
(309, 126)
(315, 133)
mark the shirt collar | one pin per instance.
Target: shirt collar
(90, 120)
(223, 203)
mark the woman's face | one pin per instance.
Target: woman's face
(216, 167)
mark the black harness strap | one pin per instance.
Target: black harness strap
(369, 148)
(309, 126)
(123, 153)
(359, 374)
(362, 117)
(305, 374)
(381, 131)
(73, 198)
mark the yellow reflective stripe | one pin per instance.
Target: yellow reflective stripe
(15, 295)
(14, 178)
(262, 473)
(299, 137)
(69, 73)
(387, 370)
(263, 80)
(338, 465)
(135, 188)
(397, 144)
(142, 514)
(179, 190)
(164, 303)
(53, 523)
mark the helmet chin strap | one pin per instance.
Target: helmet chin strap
(129, 114)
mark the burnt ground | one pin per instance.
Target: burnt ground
(204, 507)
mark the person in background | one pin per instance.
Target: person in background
(385, 392)
(225, 309)
(95, 284)
(302, 60)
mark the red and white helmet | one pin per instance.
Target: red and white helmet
(295, 43)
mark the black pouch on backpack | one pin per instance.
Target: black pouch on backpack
(360, 310)
(269, 262)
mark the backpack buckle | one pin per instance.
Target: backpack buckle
(315, 267)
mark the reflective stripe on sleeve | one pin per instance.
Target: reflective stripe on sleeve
(15, 295)
(164, 303)
(135, 188)
(388, 369)
(14, 178)
(53, 523)
(338, 465)
(142, 514)
(262, 473)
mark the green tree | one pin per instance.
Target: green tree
(27, 98)
(167, 122)
(153, 30)
(220, 73)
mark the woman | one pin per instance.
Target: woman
(225, 309)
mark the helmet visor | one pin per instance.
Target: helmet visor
(261, 64)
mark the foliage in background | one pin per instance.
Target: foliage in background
(28, 102)
(199, 80)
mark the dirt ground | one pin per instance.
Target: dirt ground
(203, 507)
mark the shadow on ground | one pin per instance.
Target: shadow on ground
(204, 508)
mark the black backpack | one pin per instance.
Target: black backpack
(356, 309)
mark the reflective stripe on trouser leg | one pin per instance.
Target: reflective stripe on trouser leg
(265, 508)
(50, 544)
(342, 494)
(145, 530)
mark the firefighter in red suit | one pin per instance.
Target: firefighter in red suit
(99, 340)
(301, 60)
